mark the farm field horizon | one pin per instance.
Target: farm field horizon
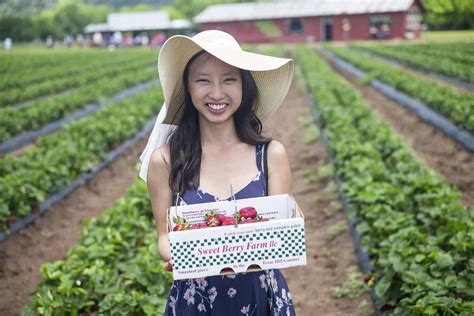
(387, 191)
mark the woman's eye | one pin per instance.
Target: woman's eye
(230, 80)
(202, 80)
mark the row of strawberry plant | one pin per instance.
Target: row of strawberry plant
(115, 269)
(424, 61)
(74, 67)
(15, 121)
(419, 236)
(460, 52)
(30, 60)
(16, 95)
(59, 158)
(456, 106)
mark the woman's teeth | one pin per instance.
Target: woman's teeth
(217, 106)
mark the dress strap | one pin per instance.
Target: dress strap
(262, 162)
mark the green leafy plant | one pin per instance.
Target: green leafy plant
(353, 287)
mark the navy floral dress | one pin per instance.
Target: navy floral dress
(259, 293)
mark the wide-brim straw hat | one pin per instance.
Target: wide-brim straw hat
(272, 75)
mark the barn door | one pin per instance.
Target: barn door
(326, 28)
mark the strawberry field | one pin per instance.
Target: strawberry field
(371, 196)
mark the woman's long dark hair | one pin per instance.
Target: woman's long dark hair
(185, 142)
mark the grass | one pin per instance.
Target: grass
(353, 287)
(449, 36)
(336, 230)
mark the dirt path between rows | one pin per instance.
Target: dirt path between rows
(328, 259)
(50, 237)
(443, 155)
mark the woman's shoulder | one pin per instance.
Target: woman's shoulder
(276, 150)
(160, 157)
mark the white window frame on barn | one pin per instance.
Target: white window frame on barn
(413, 19)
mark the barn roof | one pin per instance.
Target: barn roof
(130, 21)
(138, 21)
(298, 8)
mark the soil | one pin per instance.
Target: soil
(52, 235)
(442, 154)
(328, 261)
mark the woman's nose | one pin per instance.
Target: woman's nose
(216, 92)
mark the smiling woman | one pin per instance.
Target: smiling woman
(216, 96)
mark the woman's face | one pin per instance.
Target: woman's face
(215, 88)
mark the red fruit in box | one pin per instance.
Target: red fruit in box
(198, 226)
(212, 221)
(181, 223)
(221, 217)
(181, 226)
(229, 221)
(248, 212)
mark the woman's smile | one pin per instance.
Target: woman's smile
(217, 108)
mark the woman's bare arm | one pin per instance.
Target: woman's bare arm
(279, 172)
(160, 195)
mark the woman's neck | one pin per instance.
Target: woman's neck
(223, 134)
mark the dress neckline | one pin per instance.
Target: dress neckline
(255, 178)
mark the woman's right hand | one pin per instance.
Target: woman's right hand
(168, 266)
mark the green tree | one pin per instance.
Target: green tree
(450, 14)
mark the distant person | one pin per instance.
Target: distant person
(80, 40)
(117, 39)
(145, 39)
(49, 41)
(7, 44)
(68, 41)
(373, 32)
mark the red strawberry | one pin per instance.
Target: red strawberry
(198, 226)
(316, 255)
(181, 223)
(212, 221)
(229, 221)
(247, 212)
(221, 217)
(181, 226)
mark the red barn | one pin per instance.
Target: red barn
(316, 20)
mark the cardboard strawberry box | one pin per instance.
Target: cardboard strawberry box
(273, 244)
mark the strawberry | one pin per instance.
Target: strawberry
(221, 217)
(229, 221)
(198, 226)
(181, 223)
(212, 219)
(248, 212)
(181, 226)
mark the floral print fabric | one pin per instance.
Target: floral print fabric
(259, 293)
(250, 294)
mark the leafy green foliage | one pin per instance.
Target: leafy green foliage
(353, 287)
(457, 107)
(454, 60)
(419, 236)
(60, 158)
(115, 270)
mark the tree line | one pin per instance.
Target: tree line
(26, 20)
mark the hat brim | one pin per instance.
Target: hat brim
(272, 75)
